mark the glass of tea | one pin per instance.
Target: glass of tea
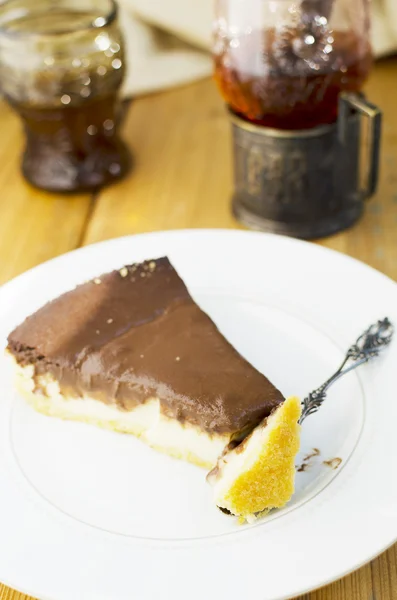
(61, 68)
(291, 73)
(283, 63)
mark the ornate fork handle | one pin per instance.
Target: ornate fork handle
(369, 345)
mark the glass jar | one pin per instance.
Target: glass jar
(283, 63)
(61, 68)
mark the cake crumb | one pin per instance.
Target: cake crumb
(152, 265)
(251, 518)
(334, 463)
(143, 274)
(178, 358)
(301, 468)
(123, 272)
(307, 461)
(315, 452)
(97, 281)
(109, 321)
(142, 355)
(97, 332)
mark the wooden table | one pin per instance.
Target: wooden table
(182, 178)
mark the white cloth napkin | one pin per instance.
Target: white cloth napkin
(157, 58)
(168, 41)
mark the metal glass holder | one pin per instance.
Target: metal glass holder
(306, 183)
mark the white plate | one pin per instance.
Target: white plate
(94, 515)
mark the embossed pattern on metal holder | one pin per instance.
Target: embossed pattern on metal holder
(305, 183)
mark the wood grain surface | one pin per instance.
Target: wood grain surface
(182, 178)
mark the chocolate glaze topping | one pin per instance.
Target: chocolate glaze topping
(136, 333)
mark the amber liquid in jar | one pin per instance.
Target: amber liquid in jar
(264, 80)
(73, 148)
(69, 106)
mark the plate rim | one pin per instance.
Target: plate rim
(196, 231)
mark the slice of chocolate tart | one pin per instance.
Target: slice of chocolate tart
(131, 351)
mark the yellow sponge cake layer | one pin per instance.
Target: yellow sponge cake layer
(259, 473)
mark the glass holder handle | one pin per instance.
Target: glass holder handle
(351, 103)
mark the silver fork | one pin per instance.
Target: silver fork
(369, 345)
